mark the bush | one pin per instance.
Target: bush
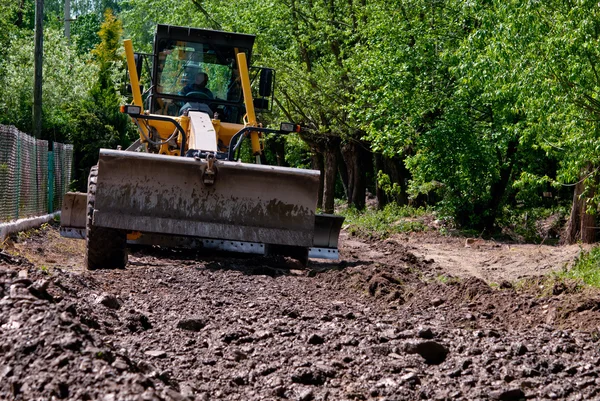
(586, 269)
(532, 225)
(383, 223)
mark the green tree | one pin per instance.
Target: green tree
(85, 30)
(67, 80)
(98, 123)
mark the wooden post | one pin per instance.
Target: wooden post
(38, 59)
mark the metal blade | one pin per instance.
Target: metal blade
(166, 194)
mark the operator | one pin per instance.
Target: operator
(198, 87)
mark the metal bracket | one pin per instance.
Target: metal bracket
(209, 174)
(71, 232)
(323, 253)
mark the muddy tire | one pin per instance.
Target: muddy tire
(105, 247)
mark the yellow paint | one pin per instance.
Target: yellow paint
(135, 82)
(250, 115)
(133, 235)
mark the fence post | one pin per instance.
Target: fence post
(18, 175)
(50, 181)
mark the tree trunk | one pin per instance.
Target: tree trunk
(498, 189)
(588, 225)
(572, 231)
(342, 169)
(353, 154)
(581, 225)
(398, 173)
(330, 156)
(317, 164)
(382, 199)
(277, 147)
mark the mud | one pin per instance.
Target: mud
(385, 323)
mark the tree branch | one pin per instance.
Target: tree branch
(214, 24)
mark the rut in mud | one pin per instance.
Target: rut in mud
(377, 325)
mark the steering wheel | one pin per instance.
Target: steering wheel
(198, 95)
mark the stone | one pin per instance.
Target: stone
(174, 395)
(156, 353)
(108, 300)
(308, 377)
(433, 352)
(437, 302)
(306, 395)
(425, 333)
(386, 382)
(514, 394)
(279, 391)
(519, 349)
(120, 364)
(411, 377)
(191, 324)
(315, 339)
(5, 371)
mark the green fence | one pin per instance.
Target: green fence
(33, 180)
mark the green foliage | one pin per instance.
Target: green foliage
(108, 53)
(297, 152)
(80, 101)
(383, 223)
(97, 122)
(489, 104)
(67, 79)
(586, 269)
(532, 225)
(84, 31)
(390, 188)
(8, 15)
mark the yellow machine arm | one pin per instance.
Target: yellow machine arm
(251, 116)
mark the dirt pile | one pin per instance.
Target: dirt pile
(379, 325)
(49, 351)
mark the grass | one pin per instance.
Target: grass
(444, 279)
(586, 268)
(28, 234)
(382, 223)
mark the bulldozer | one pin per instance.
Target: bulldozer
(183, 182)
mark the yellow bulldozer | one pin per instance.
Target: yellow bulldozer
(182, 184)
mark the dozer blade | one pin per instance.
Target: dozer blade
(327, 232)
(168, 195)
(73, 215)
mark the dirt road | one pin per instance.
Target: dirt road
(385, 323)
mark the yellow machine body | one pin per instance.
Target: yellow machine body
(182, 187)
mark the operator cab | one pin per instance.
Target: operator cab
(182, 54)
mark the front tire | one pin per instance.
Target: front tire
(105, 247)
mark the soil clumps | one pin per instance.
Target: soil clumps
(379, 324)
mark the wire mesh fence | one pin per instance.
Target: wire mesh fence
(32, 179)
(62, 156)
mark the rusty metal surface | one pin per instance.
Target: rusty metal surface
(73, 211)
(165, 194)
